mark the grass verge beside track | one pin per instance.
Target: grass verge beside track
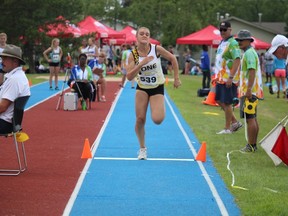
(266, 184)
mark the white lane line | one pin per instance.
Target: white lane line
(150, 159)
(212, 187)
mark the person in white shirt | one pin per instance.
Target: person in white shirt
(15, 85)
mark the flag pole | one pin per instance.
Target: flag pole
(286, 121)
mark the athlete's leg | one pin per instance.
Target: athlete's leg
(51, 70)
(57, 70)
(141, 104)
(157, 108)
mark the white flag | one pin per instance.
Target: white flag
(268, 142)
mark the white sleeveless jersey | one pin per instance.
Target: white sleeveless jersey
(151, 74)
(91, 50)
(55, 55)
(84, 50)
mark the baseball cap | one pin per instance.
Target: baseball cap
(225, 25)
(278, 40)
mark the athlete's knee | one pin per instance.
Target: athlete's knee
(140, 120)
(158, 120)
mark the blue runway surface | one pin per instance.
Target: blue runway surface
(170, 182)
(41, 92)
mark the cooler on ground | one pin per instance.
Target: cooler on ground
(70, 101)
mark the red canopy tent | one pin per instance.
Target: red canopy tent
(209, 35)
(63, 28)
(259, 44)
(130, 37)
(102, 31)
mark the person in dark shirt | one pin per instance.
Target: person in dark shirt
(205, 67)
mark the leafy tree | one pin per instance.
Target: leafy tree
(166, 19)
(21, 20)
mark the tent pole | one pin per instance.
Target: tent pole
(211, 47)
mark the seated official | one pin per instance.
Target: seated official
(98, 68)
(15, 85)
(81, 78)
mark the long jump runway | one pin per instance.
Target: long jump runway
(170, 182)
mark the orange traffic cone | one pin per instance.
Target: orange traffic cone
(86, 150)
(166, 81)
(210, 100)
(201, 156)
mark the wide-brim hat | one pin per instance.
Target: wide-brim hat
(278, 40)
(244, 35)
(13, 52)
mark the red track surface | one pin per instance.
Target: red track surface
(53, 154)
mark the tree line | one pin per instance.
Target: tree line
(166, 19)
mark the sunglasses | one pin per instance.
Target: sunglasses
(223, 29)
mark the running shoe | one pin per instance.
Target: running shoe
(236, 126)
(56, 88)
(225, 131)
(103, 99)
(142, 154)
(249, 148)
(50, 88)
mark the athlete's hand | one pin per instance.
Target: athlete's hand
(177, 83)
(147, 59)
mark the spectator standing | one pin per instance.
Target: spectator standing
(269, 62)
(205, 67)
(262, 62)
(279, 66)
(110, 58)
(250, 87)
(124, 64)
(55, 55)
(226, 66)
(279, 47)
(3, 40)
(84, 46)
(92, 50)
(187, 56)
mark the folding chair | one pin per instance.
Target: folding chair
(19, 105)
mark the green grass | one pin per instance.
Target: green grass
(38, 78)
(254, 171)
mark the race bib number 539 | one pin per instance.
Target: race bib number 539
(148, 80)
